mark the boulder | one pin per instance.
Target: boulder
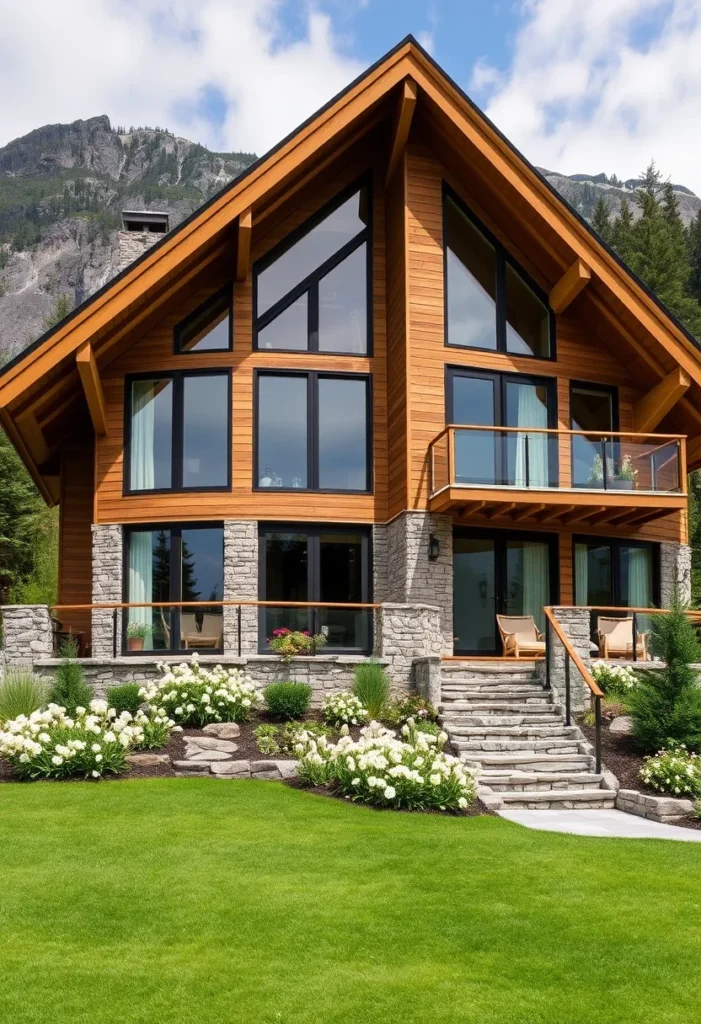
(209, 743)
(622, 726)
(222, 730)
(147, 759)
(206, 756)
(240, 769)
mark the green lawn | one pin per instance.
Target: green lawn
(199, 901)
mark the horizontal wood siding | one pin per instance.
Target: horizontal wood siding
(75, 535)
(397, 396)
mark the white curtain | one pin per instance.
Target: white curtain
(531, 413)
(639, 590)
(140, 581)
(536, 581)
(142, 435)
(581, 575)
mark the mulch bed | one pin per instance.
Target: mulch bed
(474, 811)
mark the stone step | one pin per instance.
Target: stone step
(497, 708)
(456, 692)
(528, 761)
(465, 700)
(498, 731)
(490, 717)
(548, 745)
(489, 668)
(529, 782)
(551, 799)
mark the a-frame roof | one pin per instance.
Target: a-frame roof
(41, 377)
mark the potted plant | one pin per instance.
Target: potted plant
(624, 477)
(290, 642)
(596, 473)
(136, 634)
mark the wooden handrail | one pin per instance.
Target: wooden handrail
(567, 644)
(558, 431)
(211, 604)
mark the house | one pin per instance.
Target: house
(387, 367)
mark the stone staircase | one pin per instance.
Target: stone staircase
(500, 718)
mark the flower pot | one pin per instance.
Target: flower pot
(620, 485)
(135, 643)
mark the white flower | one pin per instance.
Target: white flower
(390, 793)
(96, 748)
(462, 803)
(95, 775)
(435, 780)
(56, 760)
(98, 757)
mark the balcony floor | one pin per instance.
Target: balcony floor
(557, 506)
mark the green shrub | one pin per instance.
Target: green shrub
(288, 700)
(615, 680)
(666, 704)
(69, 690)
(21, 692)
(674, 771)
(344, 708)
(274, 740)
(371, 687)
(409, 705)
(192, 695)
(125, 698)
(266, 739)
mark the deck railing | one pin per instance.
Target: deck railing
(540, 458)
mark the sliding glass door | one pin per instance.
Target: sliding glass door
(616, 574)
(498, 573)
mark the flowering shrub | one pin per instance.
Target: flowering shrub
(385, 771)
(409, 705)
(674, 771)
(193, 696)
(344, 709)
(289, 642)
(52, 744)
(274, 739)
(615, 680)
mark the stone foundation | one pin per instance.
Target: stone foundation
(241, 583)
(107, 567)
(28, 634)
(405, 632)
(675, 572)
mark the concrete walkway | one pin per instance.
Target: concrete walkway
(601, 823)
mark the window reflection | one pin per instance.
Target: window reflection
(343, 317)
(208, 328)
(527, 319)
(342, 434)
(205, 430)
(471, 283)
(282, 431)
(289, 329)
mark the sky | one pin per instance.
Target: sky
(577, 85)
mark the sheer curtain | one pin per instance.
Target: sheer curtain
(532, 412)
(140, 577)
(639, 583)
(581, 575)
(142, 469)
(536, 581)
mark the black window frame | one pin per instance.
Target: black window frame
(501, 379)
(313, 376)
(310, 283)
(225, 293)
(591, 385)
(615, 544)
(502, 258)
(176, 477)
(176, 530)
(314, 532)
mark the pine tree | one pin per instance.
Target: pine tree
(695, 256)
(621, 230)
(600, 219)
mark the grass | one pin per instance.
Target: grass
(181, 901)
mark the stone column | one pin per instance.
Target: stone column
(28, 633)
(410, 576)
(107, 568)
(675, 571)
(575, 623)
(406, 632)
(241, 581)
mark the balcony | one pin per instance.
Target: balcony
(557, 476)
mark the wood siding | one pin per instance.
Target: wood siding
(75, 535)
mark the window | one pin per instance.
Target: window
(313, 432)
(517, 458)
(490, 303)
(616, 574)
(175, 563)
(208, 328)
(311, 293)
(329, 564)
(178, 432)
(593, 407)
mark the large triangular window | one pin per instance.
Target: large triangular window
(311, 293)
(490, 302)
(208, 328)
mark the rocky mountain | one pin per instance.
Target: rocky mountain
(63, 188)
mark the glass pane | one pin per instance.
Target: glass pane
(285, 580)
(527, 579)
(641, 466)
(282, 431)
(341, 579)
(343, 434)
(475, 450)
(289, 329)
(598, 586)
(208, 329)
(202, 579)
(637, 582)
(151, 440)
(148, 580)
(527, 319)
(471, 282)
(528, 455)
(590, 410)
(474, 597)
(205, 431)
(343, 310)
(313, 249)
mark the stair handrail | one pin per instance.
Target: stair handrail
(571, 655)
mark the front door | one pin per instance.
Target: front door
(498, 574)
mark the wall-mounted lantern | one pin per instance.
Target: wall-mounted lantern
(434, 547)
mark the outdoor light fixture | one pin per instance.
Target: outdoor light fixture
(434, 547)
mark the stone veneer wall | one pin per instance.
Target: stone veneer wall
(241, 581)
(576, 625)
(405, 633)
(27, 633)
(107, 562)
(675, 571)
(132, 244)
(404, 572)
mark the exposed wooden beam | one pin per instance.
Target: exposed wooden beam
(569, 286)
(243, 247)
(11, 429)
(33, 436)
(473, 509)
(652, 408)
(555, 513)
(502, 509)
(582, 513)
(92, 387)
(402, 125)
(527, 512)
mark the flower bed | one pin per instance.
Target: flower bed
(193, 695)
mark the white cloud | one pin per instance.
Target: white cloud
(603, 85)
(149, 61)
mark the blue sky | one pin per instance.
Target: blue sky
(578, 85)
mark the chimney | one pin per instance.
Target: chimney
(140, 229)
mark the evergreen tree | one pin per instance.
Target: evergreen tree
(695, 257)
(21, 507)
(600, 219)
(621, 230)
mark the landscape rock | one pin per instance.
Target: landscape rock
(147, 759)
(210, 743)
(223, 730)
(207, 755)
(230, 768)
(622, 726)
(195, 767)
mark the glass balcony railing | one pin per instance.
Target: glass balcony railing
(539, 459)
